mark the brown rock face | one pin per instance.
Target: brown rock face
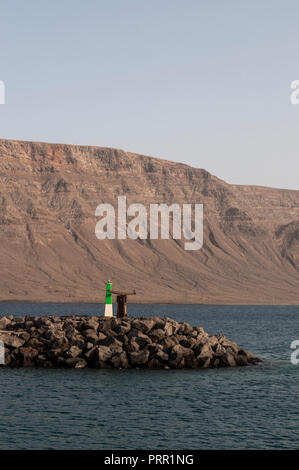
(49, 251)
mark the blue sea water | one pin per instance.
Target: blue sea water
(240, 408)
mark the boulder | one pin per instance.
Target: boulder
(108, 324)
(56, 337)
(78, 340)
(4, 322)
(70, 332)
(152, 348)
(169, 342)
(76, 362)
(241, 360)
(203, 349)
(185, 329)
(132, 346)
(212, 340)
(28, 356)
(73, 352)
(87, 346)
(218, 349)
(159, 322)
(143, 324)
(203, 361)
(15, 340)
(112, 343)
(157, 335)
(230, 360)
(142, 340)
(169, 329)
(154, 363)
(122, 338)
(90, 325)
(178, 353)
(91, 336)
(103, 353)
(161, 356)
(134, 333)
(139, 358)
(123, 328)
(35, 343)
(120, 361)
(55, 354)
(186, 342)
(215, 361)
(230, 345)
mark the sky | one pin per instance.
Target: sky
(204, 82)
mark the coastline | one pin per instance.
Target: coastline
(102, 302)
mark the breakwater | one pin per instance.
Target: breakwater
(99, 342)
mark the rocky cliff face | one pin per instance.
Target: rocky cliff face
(49, 251)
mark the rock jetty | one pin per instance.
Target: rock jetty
(99, 342)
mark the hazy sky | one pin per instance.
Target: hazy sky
(196, 81)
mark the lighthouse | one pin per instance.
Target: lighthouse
(108, 303)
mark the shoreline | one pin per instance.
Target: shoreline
(102, 302)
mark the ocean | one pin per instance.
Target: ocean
(252, 407)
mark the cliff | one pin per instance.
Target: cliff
(49, 251)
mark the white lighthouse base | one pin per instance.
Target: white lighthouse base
(108, 310)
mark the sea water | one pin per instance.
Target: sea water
(253, 407)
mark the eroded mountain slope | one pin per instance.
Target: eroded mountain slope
(49, 251)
